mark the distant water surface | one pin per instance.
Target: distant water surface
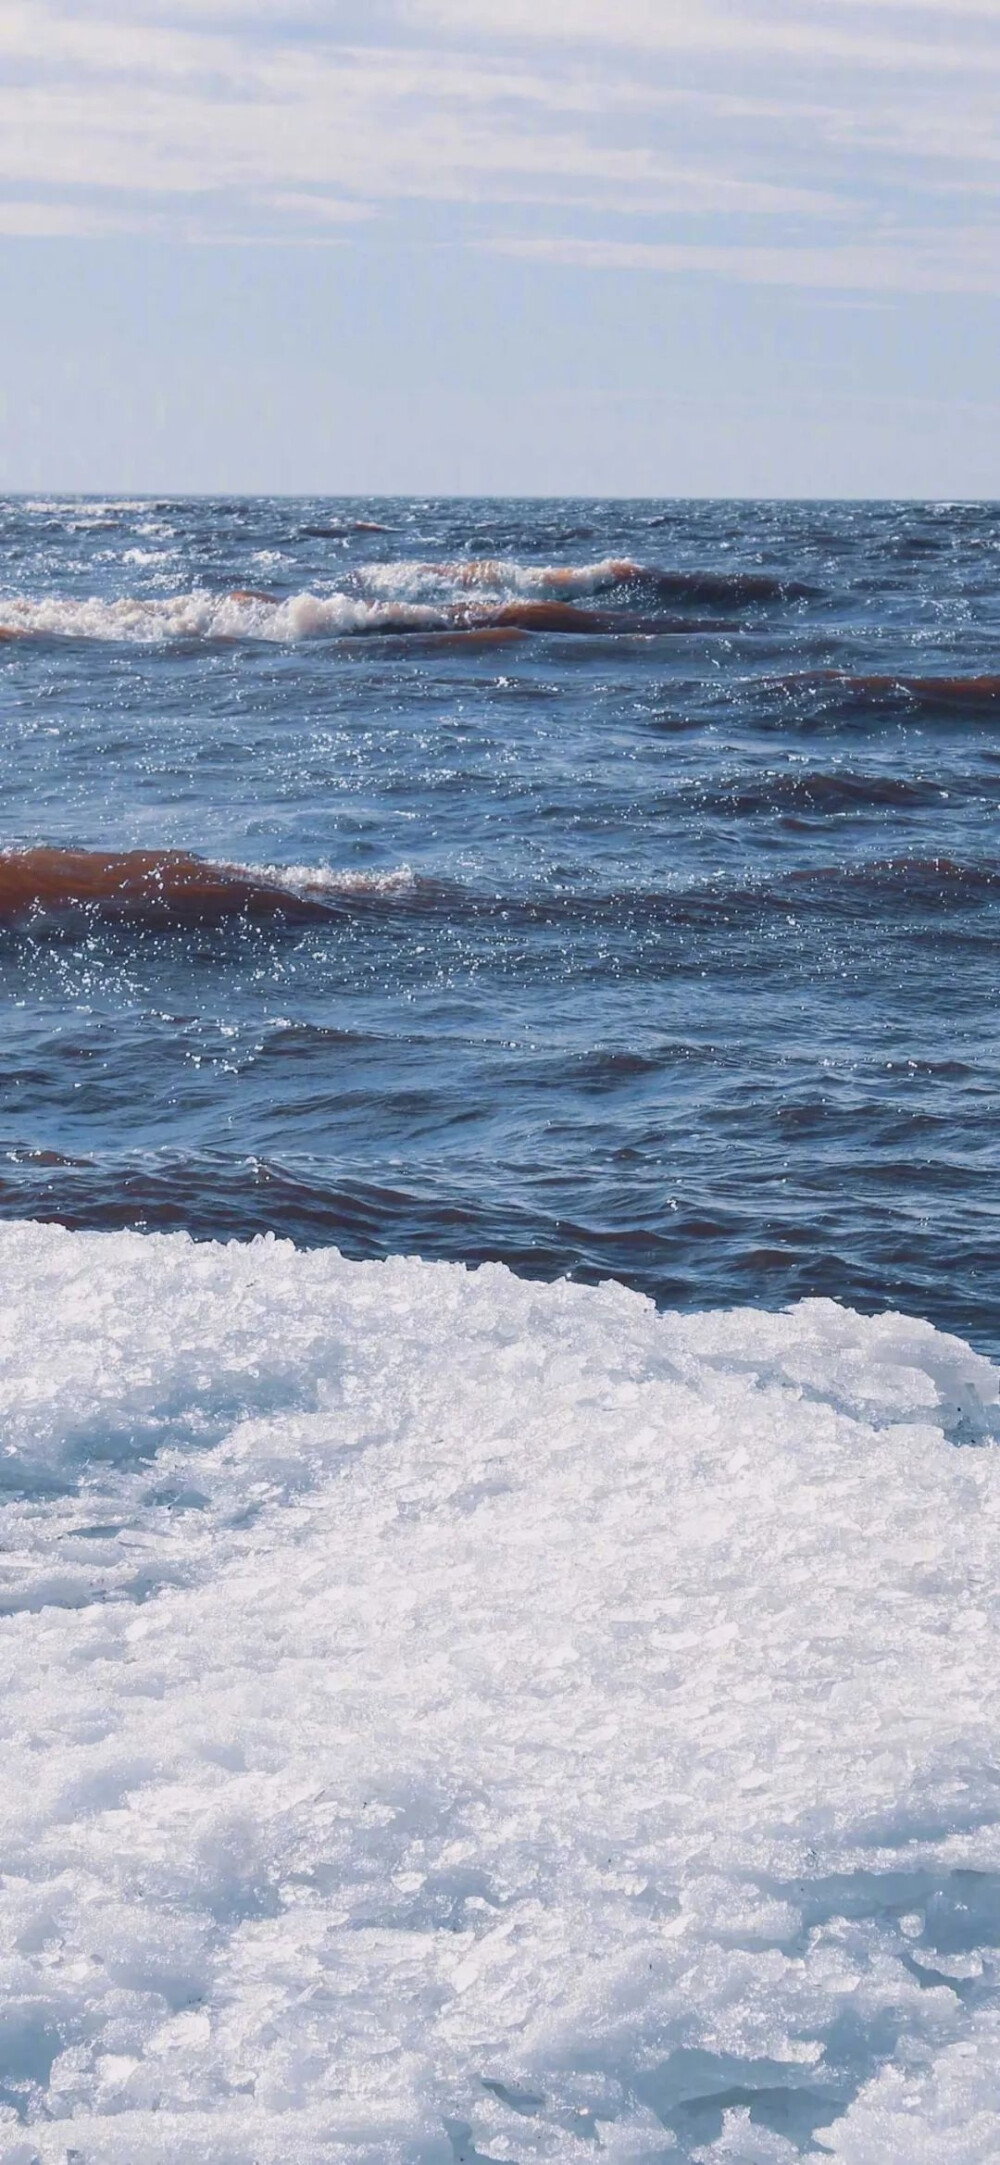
(610, 889)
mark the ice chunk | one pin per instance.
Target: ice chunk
(443, 1716)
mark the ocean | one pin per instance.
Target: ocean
(498, 1245)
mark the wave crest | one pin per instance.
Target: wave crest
(243, 614)
(500, 575)
(174, 888)
(471, 596)
(879, 690)
(170, 888)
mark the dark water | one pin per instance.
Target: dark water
(657, 931)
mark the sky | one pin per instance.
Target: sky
(575, 247)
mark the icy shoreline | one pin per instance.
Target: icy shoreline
(446, 1716)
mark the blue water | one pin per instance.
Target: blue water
(659, 934)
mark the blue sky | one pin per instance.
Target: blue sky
(609, 246)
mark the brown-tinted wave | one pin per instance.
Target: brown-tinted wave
(172, 889)
(251, 614)
(148, 887)
(818, 792)
(569, 616)
(924, 877)
(539, 616)
(969, 694)
(725, 589)
(488, 622)
(510, 621)
(484, 636)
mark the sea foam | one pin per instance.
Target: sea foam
(500, 575)
(378, 598)
(200, 615)
(447, 1717)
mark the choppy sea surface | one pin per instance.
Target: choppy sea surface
(627, 886)
(549, 1710)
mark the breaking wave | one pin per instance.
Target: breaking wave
(172, 887)
(243, 614)
(249, 615)
(472, 597)
(502, 576)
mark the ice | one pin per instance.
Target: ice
(447, 1717)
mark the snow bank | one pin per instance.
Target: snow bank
(448, 1718)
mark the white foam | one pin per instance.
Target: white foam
(83, 507)
(497, 577)
(149, 621)
(307, 879)
(494, 1720)
(384, 597)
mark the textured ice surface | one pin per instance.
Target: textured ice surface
(450, 1718)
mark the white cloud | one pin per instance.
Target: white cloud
(47, 221)
(925, 266)
(293, 138)
(819, 141)
(817, 30)
(164, 111)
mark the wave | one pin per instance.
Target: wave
(249, 613)
(822, 792)
(880, 689)
(719, 905)
(500, 575)
(341, 531)
(175, 888)
(729, 589)
(83, 507)
(914, 878)
(852, 886)
(246, 613)
(592, 1699)
(465, 596)
(506, 575)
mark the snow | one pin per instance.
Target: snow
(444, 1717)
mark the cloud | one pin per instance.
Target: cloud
(869, 32)
(926, 266)
(61, 219)
(168, 111)
(811, 142)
